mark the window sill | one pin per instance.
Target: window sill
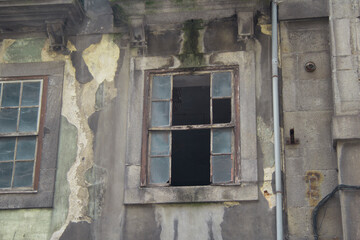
(17, 191)
(187, 194)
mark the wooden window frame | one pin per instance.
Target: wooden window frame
(234, 124)
(39, 133)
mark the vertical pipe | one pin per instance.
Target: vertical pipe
(276, 114)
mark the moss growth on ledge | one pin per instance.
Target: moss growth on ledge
(191, 55)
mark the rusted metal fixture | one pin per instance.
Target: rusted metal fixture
(292, 140)
(310, 66)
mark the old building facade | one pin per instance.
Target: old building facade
(134, 119)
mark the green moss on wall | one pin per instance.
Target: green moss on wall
(191, 55)
(24, 50)
(66, 158)
(120, 16)
(21, 224)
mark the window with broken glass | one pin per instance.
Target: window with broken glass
(191, 121)
(21, 105)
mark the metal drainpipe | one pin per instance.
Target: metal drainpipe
(276, 115)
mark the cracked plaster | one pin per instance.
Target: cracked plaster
(78, 105)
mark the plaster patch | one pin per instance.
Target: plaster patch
(101, 59)
(192, 220)
(267, 192)
(266, 29)
(78, 105)
(266, 140)
(231, 204)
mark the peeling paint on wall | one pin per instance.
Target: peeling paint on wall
(266, 140)
(78, 105)
(266, 189)
(184, 222)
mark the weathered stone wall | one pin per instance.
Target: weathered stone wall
(95, 137)
(311, 169)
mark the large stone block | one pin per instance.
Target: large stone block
(295, 9)
(342, 9)
(313, 95)
(342, 37)
(305, 41)
(299, 222)
(322, 61)
(312, 128)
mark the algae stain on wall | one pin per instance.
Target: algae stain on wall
(23, 50)
(29, 224)
(183, 222)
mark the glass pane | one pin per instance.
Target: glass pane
(26, 148)
(222, 110)
(222, 140)
(7, 148)
(221, 84)
(160, 143)
(23, 174)
(30, 94)
(11, 95)
(8, 120)
(28, 120)
(160, 114)
(159, 170)
(221, 168)
(161, 87)
(5, 174)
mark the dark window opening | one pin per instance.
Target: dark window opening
(191, 100)
(190, 163)
(222, 110)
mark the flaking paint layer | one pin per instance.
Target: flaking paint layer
(78, 105)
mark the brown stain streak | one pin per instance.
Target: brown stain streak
(313, 180)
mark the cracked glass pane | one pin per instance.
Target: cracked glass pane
(7, 148)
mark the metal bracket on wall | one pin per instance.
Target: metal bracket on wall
(56, 34)
(292, 140)
(137, 34)
(245, 23)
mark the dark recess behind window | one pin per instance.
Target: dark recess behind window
(191, 100)
(190, 163)
(222, 110)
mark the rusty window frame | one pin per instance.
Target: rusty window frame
(39, 133)
(234, 124)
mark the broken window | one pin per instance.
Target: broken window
(191, 128)
(21, 106)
